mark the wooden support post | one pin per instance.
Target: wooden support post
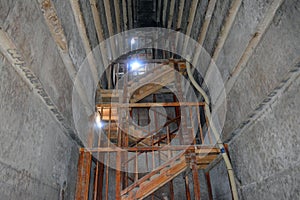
(187, 188)
(195, 178)
(83, 175)
(199, 124)
(192, 124)
(118, 176)
(208, 129)
(208, 185)
(171, 190)
(99, 193)
(136, 178)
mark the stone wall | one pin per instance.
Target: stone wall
(37, 159)
(262, 122)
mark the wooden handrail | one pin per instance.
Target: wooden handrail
(146, 177)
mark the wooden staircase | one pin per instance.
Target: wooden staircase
(187, 154)
(155, 179)
(151, 81)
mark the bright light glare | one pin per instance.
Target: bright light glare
(98, 121)
(132, 41)
(135, 65)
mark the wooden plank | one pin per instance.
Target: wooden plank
(206, 159)
(146, 105)
(199, 149)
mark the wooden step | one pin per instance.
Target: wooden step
(150, 78)
(155, 70)
(158, 178)
(157, 181)
(146, 90)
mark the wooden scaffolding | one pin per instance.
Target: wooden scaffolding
(136, 159)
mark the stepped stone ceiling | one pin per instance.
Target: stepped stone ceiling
(230, 31)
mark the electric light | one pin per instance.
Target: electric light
(135, 65)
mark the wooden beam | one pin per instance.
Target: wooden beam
(204, 28)
(118, 16)
(145, 105)
(208, 15)
(99, 31)
(125, 18)
(171, 13)
(261, 28)
(180, 12)
(84, 38)
(234, 8)
(164, 16)
(158, 13)
(97, 21)
(108, 17)
(110, 27)
(199, 149)
(130, 14)
(192, 14)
